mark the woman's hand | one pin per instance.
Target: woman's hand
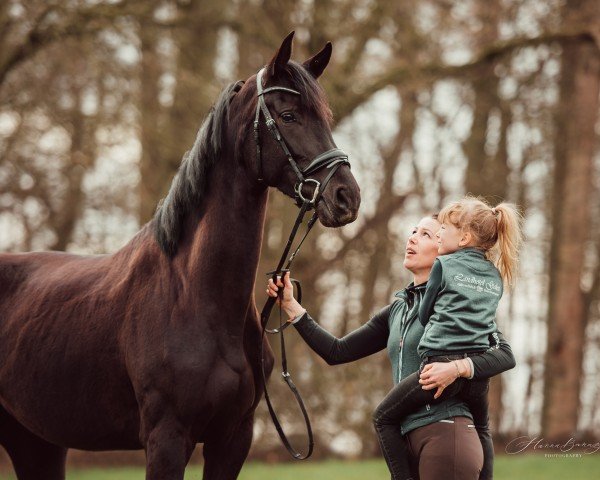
(288, 303)
(442, 374)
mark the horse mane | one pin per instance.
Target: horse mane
(190, 183)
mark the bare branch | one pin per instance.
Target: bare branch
(415, 76)
(76, 23)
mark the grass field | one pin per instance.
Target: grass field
(516, 467)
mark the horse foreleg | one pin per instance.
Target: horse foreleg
(223, 458)
(168, 447)
(32, 457)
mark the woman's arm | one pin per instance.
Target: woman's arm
(496, 360)
(366, 340)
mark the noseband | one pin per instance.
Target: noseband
(331, 159)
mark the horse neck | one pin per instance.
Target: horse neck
(221, 244)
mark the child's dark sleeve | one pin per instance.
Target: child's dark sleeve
(366, 340)
(434, 285)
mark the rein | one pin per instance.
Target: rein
(264, 319)
(331, 159)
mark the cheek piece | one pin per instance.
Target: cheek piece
(331, 159)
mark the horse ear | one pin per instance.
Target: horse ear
(316, 64)
(282, 57)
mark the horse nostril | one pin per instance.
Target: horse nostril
(342, 198)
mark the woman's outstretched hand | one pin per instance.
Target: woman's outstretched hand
(440, 374)
(288, 303)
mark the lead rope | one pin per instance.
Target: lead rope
(265, 314)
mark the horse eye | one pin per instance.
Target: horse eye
(288, 117)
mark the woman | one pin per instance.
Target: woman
(432, 432)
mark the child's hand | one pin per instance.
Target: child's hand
(441, 374)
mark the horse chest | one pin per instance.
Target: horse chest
(200, 377)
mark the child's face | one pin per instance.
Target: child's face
(450, 239)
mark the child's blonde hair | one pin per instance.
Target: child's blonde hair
(497, 230)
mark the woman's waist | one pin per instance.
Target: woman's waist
(445, 356)
(434, 412)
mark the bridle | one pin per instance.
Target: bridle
(331, 159)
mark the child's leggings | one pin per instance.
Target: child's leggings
(408, 396)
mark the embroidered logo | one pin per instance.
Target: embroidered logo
(478, 284)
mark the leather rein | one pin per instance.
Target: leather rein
(331, 159)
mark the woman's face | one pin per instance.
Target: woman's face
(422, 246)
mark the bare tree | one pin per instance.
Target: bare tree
(575, 143)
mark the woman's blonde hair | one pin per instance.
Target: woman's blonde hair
(496, 230)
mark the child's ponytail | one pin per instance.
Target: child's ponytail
(508, 220)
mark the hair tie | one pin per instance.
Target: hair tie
(494, 211)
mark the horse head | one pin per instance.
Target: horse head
(291, 147)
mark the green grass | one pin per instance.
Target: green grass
(514, 467)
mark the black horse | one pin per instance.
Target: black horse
(157, 345)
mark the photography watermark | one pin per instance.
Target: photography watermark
(570, 449)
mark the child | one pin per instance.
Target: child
(478, 247)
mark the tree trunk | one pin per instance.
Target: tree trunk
(153, 173)
(167, 133)
(567, 315)
(377, 246)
